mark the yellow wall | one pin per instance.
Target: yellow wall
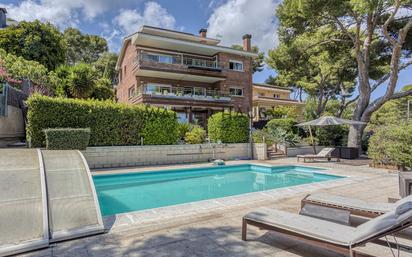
(270, 93)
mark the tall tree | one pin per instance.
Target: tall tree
(323, 71)
(377, 30)
(258, 63)
(83, 47)
(36, 41)
(106, 66)
(392, 112)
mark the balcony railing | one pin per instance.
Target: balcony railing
(179, 60)
(187, 93)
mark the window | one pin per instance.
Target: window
(276, 96)
(199, 91)
(132, 91)
(236, 65)
(182, 117)
(157, 89)
(124, 70)
(165, 59)
(261, 94)
(187, 91)
(236, 91)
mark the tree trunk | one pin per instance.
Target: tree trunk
(355, 135)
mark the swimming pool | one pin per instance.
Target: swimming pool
(145, 190)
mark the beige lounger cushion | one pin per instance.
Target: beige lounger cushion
(324, 153)
(357, 204)
(352, 203)
(315, 228)
(333, 232)
(385, 222)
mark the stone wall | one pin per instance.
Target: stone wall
(123, 156)
(11, 126)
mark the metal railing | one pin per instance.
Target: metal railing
(179, 60)
(186, 92)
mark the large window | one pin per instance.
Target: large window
(234, 91)
(157, 89)
(182, 117)
(166, 59)
(161, 58)
(236, 65)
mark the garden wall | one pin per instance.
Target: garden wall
(123, 156)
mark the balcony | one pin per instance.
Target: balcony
(177, 66)
(183, 93)
(180, 59)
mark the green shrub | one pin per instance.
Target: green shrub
(183, 129)
(110, 123)
(392, 145)
(103, 90)
(262, 136)
(287, 124)
(228, 127)
(196, 136)
(332, 135)
(67, 138)
(81, 80)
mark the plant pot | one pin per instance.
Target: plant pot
(405, 183)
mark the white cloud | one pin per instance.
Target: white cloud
(62, 13)
(153, 14)
(238, 17)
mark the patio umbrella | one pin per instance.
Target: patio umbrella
(327, 121)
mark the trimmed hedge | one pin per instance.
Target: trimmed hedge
(228, 127)
(110, 123)
(67, 138)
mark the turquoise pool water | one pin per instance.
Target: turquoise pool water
(145, 190)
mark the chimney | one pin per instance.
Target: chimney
(202, 32)
(247, 42)
(3, 21)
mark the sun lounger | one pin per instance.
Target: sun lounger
(324, 154)
(354, 206)
(326, 234)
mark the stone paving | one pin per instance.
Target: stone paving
(212, 227)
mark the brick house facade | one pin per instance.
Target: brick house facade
(190, 74)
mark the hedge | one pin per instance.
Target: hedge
(228, 127)
(110, 123)
(67, 138)
(392, 145)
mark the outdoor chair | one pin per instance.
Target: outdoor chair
(354, 206)
(329, 235)
(324, 154)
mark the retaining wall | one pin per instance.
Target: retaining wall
(123, 156)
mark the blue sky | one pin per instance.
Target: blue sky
(226, 19)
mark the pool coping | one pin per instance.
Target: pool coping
(128, 220)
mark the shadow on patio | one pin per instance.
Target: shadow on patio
(208, 240)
